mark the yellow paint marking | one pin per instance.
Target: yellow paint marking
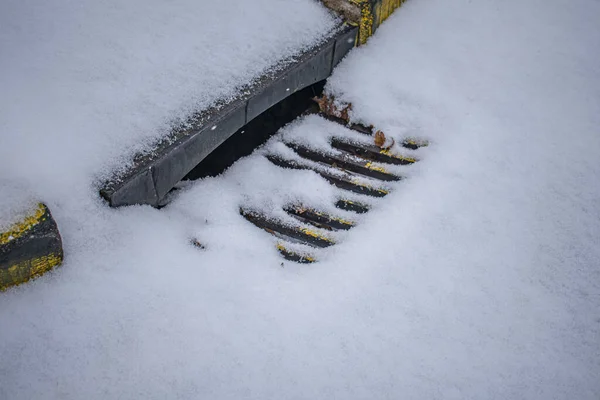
(358, 183)
(387, 8)
(316, 235)
(343, 221)
(21, 228)
(407, 159)
(25, 270)
(416, 142)
(372, 15)
(365, 26)
(340, 220)
(372, 167)
(282, 248)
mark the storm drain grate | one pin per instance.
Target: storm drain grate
(355, 167)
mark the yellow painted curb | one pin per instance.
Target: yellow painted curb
(29, 248)
(372, 14)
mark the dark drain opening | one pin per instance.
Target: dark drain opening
(256, 132)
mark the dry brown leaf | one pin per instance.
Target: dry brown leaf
(345, 114)
(327, 106)
(322, 102)
(331, 110)
(379, 139)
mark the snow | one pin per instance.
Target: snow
(477, 277)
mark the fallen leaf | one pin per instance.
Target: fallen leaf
(322, 102)
(345, 114)
(379, 139)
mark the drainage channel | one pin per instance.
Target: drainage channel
(346, 165)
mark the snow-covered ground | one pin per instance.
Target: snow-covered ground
(477, 277)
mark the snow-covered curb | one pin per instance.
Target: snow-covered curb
(157, 171)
